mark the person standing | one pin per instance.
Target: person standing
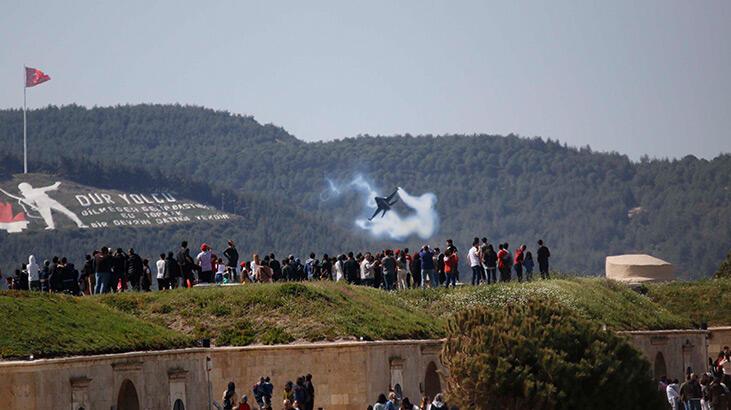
(351, 269)
(673, 395)
(310, 389)
(88, 274)
(427, 267)
(161, 281)
(205, 264)
(402, 270)
(34, 271)
(475, 259)
(368, 270)
(185, 268)
(103, 271)
(490, 259)
(542, 255)
(690, 393)
(134, 269)
(229, 397)
(146, 282)
(326, 268)
(451, 261)
(389, 270)
(232, 259)
(483, 251)
(528, 266)
(172, 270)
(518, 262)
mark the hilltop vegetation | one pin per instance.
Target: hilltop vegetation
(585, 204)
(296, 312)
(46, 325)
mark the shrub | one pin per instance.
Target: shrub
(540, 355)
(724, 271)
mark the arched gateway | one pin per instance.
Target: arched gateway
(127, 399)
(432, 385)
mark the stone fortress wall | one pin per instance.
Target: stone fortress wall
(347, 375)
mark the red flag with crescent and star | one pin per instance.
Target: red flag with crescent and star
(34, 76)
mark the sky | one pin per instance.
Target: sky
(637, 77)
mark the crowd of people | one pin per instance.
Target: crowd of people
(709, 391)
(300, 395)
(106, 270)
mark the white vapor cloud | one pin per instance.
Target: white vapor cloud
(422, 221)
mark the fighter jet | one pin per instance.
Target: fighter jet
(384, 204)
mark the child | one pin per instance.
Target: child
(528, 266)
(220, 271)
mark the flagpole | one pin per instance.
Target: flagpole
(25, 126)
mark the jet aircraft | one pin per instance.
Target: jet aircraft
(384, 204)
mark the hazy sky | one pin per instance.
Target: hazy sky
(630, 76)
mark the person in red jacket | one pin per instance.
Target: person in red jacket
(503, 263)
(451, 261)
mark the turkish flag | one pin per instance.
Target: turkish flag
(34, 76)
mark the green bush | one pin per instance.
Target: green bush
(541, 355)
(724, 271)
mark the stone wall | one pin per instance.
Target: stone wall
(671, 352)
(347, 375)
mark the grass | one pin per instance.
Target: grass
(53, 325)
(705, 301)
(45, 325)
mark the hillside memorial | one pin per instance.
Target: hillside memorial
(36, 206)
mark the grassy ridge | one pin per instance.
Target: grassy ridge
(46, 325)
(705, 301)
(52, 325)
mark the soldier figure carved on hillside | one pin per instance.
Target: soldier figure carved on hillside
(38, 200)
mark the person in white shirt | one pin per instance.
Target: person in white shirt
(339, 271)
(34, 278)
(162, 283)
(204, 262)
(368, 269)
(475, 258)
(220, 272)
(673, 393)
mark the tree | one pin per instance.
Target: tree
(540, 355)
(724, 271)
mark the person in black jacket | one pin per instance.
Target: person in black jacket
(134, 269)
(103, 271)
(232, 259)
(542, 255)
(45, 273)
(55, 276)
(310, 396)
(172, 269)
(119, 270)
(352, 270)
(490, 260)
(185, 267)
(87, 275)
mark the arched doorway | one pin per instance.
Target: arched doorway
(432, 385)
(660, 368)
(178, 405)
(127, 399)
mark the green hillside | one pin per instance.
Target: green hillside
(46, 325)
(706, 301)
(292, 312)
(585, 204)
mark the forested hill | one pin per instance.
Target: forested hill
(585, 204)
